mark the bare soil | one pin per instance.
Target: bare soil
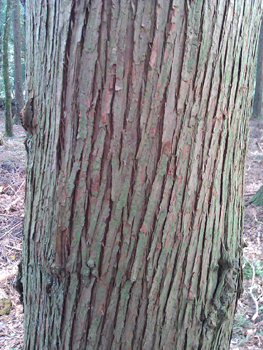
(248, 326)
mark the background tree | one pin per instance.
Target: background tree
(1, 43)
(137, 121)
(11, 60)
(19, 100)
(8, 114)
(258, 96)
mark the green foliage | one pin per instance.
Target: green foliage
(259, 268)
(248, 271)
(240, 321)
(260, 311)
(257, 199)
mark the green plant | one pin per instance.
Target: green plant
(240, 321)
(248, 271)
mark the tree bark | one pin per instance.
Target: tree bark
(8, 113)
(19, 100)
(135, 178)
(258, 96)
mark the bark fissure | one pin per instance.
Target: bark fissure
(142, 115)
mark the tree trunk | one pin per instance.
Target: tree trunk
(258, 96)
(136, 158)
(1, 41)
(19, 101)
(8, 114)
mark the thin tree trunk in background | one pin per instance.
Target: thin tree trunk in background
(1, 41)
(8, 114)
(19, 101)
(1, 69)
(258, 96)
(135, 179)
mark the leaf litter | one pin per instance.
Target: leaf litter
(12, 190)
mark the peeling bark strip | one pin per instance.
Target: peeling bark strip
(132, 234)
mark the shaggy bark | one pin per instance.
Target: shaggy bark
(136, 157)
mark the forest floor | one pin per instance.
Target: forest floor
(12, 189)
(248, 326)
